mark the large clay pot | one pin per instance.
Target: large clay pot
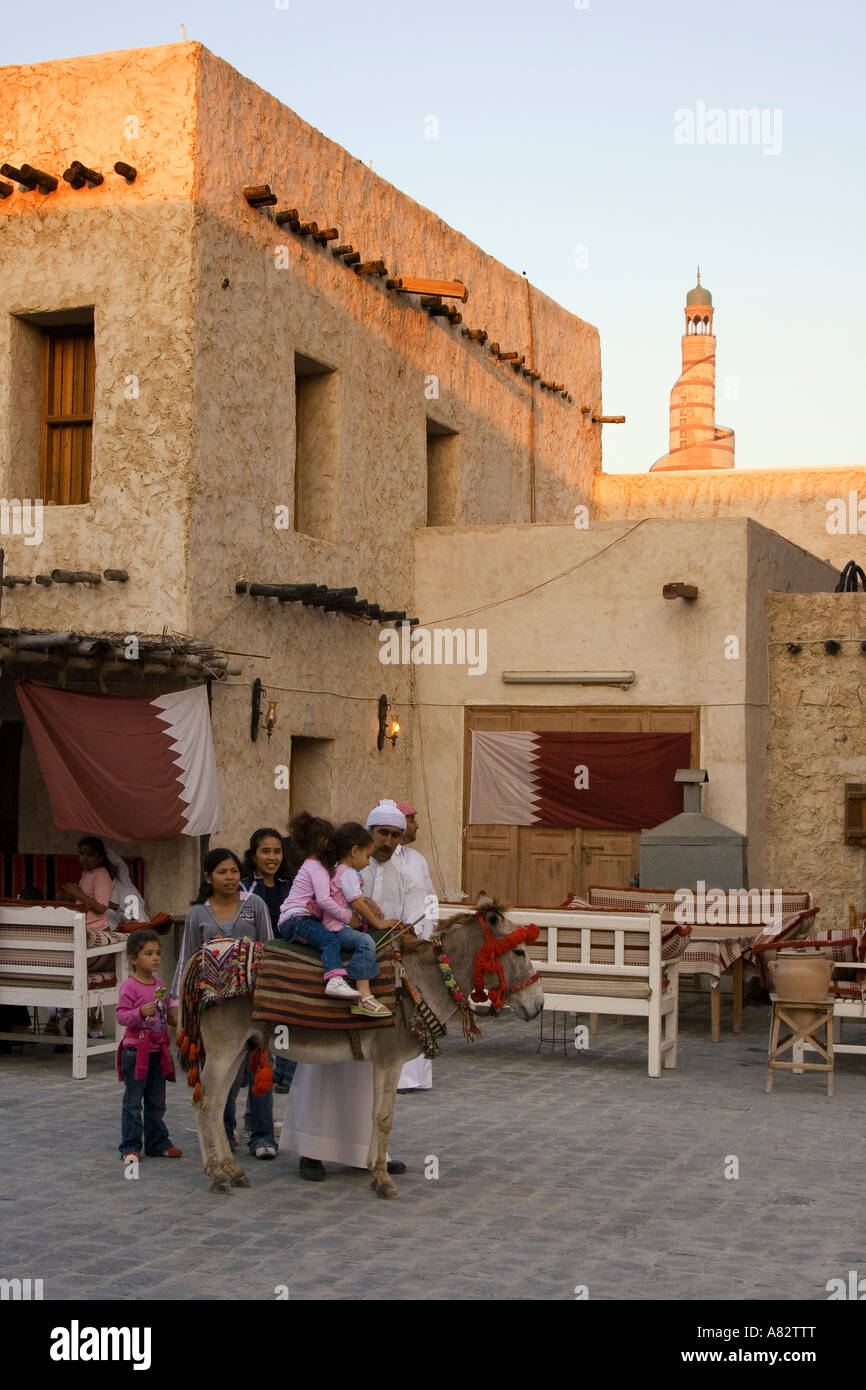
(802, 977)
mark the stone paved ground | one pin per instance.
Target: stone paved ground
(554, 1171)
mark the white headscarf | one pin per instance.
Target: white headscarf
(130, 904)
(387, 813)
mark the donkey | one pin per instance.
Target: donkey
(227, 1029)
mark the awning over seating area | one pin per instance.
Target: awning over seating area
(125, 767)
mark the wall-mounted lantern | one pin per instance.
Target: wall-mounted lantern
(259, 720)
(388, 728)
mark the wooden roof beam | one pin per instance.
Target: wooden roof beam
(258, 195)
(414, 284)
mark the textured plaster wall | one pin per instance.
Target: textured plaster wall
(247, 136)
(186, 477)
(816, 744)
(385, 353)
(792, 501)
(775, 566)
(605, 613)
(126, 251)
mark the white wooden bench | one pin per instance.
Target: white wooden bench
(45, 962)
(608, 963)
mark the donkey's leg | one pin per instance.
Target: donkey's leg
(386, 1075)
(223, 1052)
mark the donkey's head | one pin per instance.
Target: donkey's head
(498, 958)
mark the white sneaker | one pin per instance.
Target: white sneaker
(338, 989)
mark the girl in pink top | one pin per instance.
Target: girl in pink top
(93, 892)
(143, 1058)
(93, 889)
(313, 915)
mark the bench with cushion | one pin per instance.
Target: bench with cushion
(48, 959)
(611, 963)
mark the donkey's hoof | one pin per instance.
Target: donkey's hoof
(384, 1187)
(220, 1185)
(240, 1180)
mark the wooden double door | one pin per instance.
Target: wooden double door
(539, 865)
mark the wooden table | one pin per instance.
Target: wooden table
(711, 951)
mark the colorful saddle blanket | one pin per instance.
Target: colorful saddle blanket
(222, 969)
(289, 989)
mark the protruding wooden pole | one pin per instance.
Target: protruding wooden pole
(78, 174)
(352, 259)
(76, 577)
(6, 189)
(258, 195)
(371, 268)
(119, 576)
(10, 171)
(414, 284)
(326, 234)
(46, 183)
(287, 215)
(126, 171)
(475, 335)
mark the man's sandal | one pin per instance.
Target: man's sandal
(373, 1008)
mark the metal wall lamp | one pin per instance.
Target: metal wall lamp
(387, 728)
(258, 720)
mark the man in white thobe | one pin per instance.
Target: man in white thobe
(417, 1075)
(330, 1114)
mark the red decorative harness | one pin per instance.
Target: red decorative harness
(488, 962)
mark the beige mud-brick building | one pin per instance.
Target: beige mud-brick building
(213, 400)
(209, 397)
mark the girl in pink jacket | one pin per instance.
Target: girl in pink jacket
(312, 915)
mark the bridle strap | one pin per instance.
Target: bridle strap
(488, 961)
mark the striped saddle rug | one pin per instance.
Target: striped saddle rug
(224, 968)
(289, 989)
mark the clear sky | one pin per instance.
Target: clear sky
(560, 152)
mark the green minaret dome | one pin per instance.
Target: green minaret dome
(699, 295)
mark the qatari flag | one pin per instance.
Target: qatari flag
(598, 781)
(124, 767)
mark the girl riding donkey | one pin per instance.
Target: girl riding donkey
(317, 909)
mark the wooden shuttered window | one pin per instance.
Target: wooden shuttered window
(68, 369)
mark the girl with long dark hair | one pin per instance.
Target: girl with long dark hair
(223, 909)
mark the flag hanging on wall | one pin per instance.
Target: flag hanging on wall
(124, 767)
(598, 781)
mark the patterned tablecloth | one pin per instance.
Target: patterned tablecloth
(712, 949)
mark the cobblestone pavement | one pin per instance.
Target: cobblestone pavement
(554, 1171)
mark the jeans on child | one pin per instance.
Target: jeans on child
(363, 964)
(261, 1111)
(150, 1090)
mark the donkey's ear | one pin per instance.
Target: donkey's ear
(483, 899)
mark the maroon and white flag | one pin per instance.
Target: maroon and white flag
(598, 781)
(124, 767)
